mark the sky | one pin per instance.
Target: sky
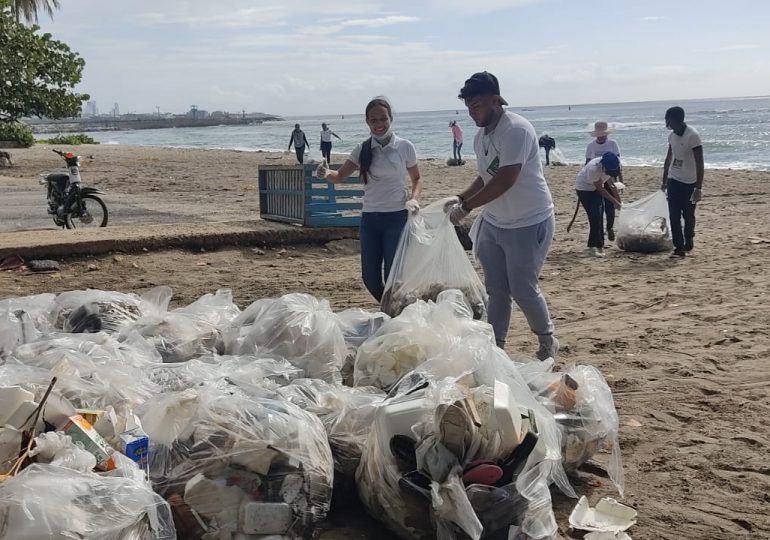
(312, 57)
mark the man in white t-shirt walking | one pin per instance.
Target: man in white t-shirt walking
(682, 179)
(516, 224)
(597, 148)
(326, 142)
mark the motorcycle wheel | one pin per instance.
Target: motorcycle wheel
(95, 214)
(59, 222)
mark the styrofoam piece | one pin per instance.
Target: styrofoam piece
(507, 417)
(265, 518)
(211, 497)
(397, 418)
(11, 398)
(608, 516)
(58, 410)
(19, 417)
(606, 536)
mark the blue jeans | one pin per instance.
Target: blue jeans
(379, 233)
(681, 209)
(456, 148)
(512, 260)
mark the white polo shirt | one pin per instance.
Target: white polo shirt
(682, 158)
(528, 201)
(386, 188)
(589, 174)
(596, 149)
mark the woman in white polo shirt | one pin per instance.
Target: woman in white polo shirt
(384, 162)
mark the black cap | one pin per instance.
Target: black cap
(481, 84)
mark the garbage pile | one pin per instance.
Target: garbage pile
(123, 418)
(643, 225)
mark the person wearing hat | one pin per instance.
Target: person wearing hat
(591, 185)
(457, 141)
(597, 148)
(326, 142)
(514, 230)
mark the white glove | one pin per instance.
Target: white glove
(322, 170)
(458, 214)
(697, 195)
(412, 206)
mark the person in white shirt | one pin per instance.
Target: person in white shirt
(300, 143)
(597, 148)
(516, 224)
(326, 142)
(591, 186)
(682, 179)
(384, 161)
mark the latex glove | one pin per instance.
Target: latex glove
(457, 213)
(697, 195)
(412, 206)
(322, 170)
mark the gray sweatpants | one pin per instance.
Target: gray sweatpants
(512, 260)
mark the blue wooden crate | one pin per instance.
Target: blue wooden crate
(292, 194)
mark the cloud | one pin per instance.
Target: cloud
(728, 48)
(653, 18)
(486, 6)
(339, 25)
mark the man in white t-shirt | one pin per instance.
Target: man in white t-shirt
(597, 148)
(326, 142)
(682, 179)
(516, 224)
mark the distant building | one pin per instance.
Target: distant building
(90, 109)
(116, 110)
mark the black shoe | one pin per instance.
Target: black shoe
(679, 253)
(611, 235)
(688, 244)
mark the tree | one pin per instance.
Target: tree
(37, 73)
(27, 9)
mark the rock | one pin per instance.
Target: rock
(92, 268)
(257, 251)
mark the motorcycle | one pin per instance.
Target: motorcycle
(70, 204)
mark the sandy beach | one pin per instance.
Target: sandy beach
(684, 344)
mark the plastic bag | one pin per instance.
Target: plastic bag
(422, 331)
(297, 327)
(46, 501)
(56, 448)
(430, 259)
(191, 331)
(471, 376)
(357, 326)
(582, 405)
(347, 415)
(23, 320)
(228, 456)
(643, 225)
(92, 310)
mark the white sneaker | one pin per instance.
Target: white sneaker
(596, 252)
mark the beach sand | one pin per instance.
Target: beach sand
(684, 344)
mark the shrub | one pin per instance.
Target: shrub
(70, 140)
(17, 132)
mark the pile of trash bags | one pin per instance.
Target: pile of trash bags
(123, 418)
(643, 225)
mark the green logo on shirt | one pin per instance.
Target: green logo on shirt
(494, 166)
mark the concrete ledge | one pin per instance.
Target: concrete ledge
(66, 243)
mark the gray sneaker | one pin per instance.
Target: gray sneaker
(549, 348)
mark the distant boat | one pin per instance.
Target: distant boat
(528, 109)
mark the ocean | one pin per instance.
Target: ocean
(735, 132)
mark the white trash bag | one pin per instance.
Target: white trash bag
(429, 260)
(643, 225)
